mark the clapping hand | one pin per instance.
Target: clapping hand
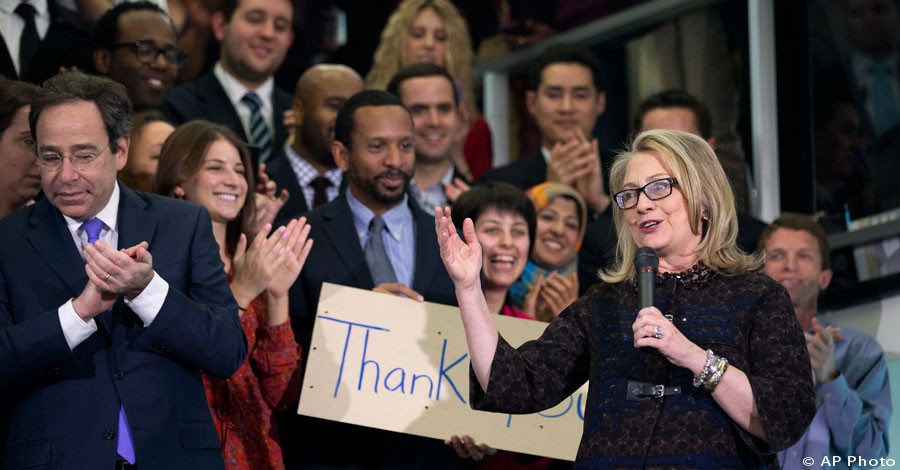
(255, 266)
(297, 250)
(576, 162)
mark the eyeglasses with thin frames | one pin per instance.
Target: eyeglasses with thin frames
(654, 190)
(81, 160)
(146, 52)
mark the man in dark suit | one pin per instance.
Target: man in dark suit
(370, 230)
(112, 303)
(306, 168)
(240, 92)
(135, 44)
(565, 97)
(428, 92)
(58, 38)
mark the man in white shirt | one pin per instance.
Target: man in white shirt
(240, 92)
(112, 303)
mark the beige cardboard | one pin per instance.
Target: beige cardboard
(407, 344)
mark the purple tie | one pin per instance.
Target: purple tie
(124, 446)
(92, 229)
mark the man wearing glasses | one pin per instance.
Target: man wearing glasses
(135, 45)
(112, 303)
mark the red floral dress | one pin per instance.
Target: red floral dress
(242, 406)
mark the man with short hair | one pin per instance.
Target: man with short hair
(112, 303)
(240, 92)
(851, 379)
(565, 97)
(372, 236)
(428, 92)
(679, 110)
(306, 167)
(135, 44)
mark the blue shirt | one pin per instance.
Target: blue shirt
(400, 245)
(853, 411)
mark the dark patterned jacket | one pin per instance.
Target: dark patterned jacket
(747, 319)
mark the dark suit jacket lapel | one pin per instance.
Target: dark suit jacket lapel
(428, 255)
(281, 172)
(52, 241)
(219, 107)
(281, 102)
(7, 69)
(338, 227)
(136, 223)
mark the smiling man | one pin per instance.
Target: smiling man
(372, 236)
(135, 45)
(240, 92)
(428, 92)
(565, 97)
(852, 387)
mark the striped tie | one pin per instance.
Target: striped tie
(259, 131)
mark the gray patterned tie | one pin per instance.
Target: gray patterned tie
(259, 131)
(377, 259)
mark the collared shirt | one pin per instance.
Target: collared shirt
(853, 411)
(236, 90)
(306, 173)
(433, 197)
(400, 245)
(12, 25)
(546, 154)
(146, 305)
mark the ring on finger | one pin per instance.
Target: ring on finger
(107, 277)
(657, 333)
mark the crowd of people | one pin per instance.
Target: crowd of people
(168, 216)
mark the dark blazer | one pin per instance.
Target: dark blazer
(206, 99)
(280, 171)
(337, 257)
(64, 404)
(523, 173)
(67, 44)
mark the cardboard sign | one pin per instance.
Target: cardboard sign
(392, 363)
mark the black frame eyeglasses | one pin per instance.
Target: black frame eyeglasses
(146, 52)
(654, 190)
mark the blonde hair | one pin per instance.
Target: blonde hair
(707, 195)
(458, 60)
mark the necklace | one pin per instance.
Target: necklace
(694, 278)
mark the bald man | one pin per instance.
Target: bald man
(306, 167)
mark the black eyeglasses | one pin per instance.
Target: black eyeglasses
(658, 189)
(146, 52)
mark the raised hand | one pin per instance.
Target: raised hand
(297, 247)
(820, 344)
(256, 266)
(267, 199)
(461, 258)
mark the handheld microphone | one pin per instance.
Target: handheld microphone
(646, 263)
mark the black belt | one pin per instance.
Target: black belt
(641, 391)
(122, 464)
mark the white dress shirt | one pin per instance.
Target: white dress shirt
(146, 305)
(12, 25)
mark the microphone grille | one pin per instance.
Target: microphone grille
(646, 258)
